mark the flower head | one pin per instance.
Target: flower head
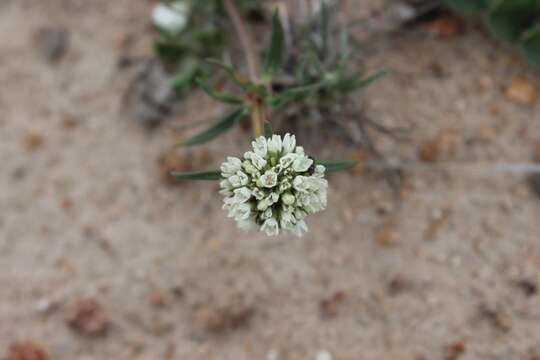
(274, 187)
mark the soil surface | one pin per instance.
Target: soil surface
(450, 271)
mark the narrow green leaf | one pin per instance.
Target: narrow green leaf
(371, 79)
(508, 19)
(198, 175)
(243, 83)
(530, 46)
(268, 130)
(337, 165)
(218, 128)
(289, 95)
(468, 7)
(219, 95)
(275, 54)
(186, 76)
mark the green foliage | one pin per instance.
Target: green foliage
(275, 54)
(325, 74)
(337, 165)
(218, 128)
(515, 22)
(198, 175)
(468, 7)
(509, 19)
(530, 46)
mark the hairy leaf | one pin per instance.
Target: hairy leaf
(217, 128)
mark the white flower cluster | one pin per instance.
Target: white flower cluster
(274, 187)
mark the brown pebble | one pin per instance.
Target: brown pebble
(385, 234)
(88, 318)
(443, 144)
(455, 350)
(329, 307)
(26, 351)
(157, 299)
(33, 140)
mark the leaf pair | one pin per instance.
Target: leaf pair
(331, 166)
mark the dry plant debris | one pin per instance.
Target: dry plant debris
(385, 234)
(522, 91)
(437, 221)
(219, 320)
(88, 318)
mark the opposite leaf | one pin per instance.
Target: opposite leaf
(218, 128)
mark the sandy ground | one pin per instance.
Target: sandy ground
(86, 215)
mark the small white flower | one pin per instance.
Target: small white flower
(238, 180)
(268, 179)
(256, 160)
(260, 146)
(274, 144)
(270, 227)
(302, 163)
(288, 198)
(274, 187)
(172, 17)
(242, 194)
(287, 160)
(231, 166)
(288, 143)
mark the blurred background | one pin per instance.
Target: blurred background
(429, 248)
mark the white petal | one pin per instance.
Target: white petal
(302, 164)
(260, 147)
(289, 143)
(270, 227)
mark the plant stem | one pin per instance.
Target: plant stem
(258, 110)
(245, 39)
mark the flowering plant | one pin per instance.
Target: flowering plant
(276, 185)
